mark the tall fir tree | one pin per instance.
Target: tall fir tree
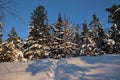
(95, 25)
(98, 34)
(62, 45)
(87, 41)
(114, 16)
(76, 39)
(12, 48)
(37, 44)
(114, 31)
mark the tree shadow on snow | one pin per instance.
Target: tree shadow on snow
(38, 66)
(104, 67)
(67, 71)
(93, 68)
(105, 70)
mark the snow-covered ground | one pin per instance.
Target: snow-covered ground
(105, 67)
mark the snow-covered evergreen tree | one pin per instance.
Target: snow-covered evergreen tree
(114, 16)
(12, 48)
(95, 25)
(62, 45)
(115, 35)
(114, 31)
(98, 34)
(87, 41)
(38, 41)
(76, 39)
(105, 43)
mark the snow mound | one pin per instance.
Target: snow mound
(105, 67)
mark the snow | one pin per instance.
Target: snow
(105, 67)
(58, 38)
(109, 41)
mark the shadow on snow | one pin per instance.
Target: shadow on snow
(38, 66)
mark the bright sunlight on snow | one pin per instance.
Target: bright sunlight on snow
(105, 67)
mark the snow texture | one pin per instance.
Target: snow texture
(105, 67)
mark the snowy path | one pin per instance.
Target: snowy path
(80, 68)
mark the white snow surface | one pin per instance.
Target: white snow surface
(105, 67)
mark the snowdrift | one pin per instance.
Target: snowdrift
(105, 67)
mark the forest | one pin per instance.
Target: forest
(62, 39)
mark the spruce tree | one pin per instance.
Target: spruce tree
(38, 42)
(12, 48)
(114, 31)
(87, 41)
(104, 44)
(95, 25)
(98, 34)
(76, 39)
(62, 45)
(114, 16)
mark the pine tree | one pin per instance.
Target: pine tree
(87, 41)
(38, 42)
(76, 39)
(62, 45)
(114, 16)
(12, 48)
(114, 31)
(95, 25)
(39, 17)
(98, 34)
(104, 44)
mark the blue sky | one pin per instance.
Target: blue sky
(76, 11)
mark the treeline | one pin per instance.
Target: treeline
(62, 39)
